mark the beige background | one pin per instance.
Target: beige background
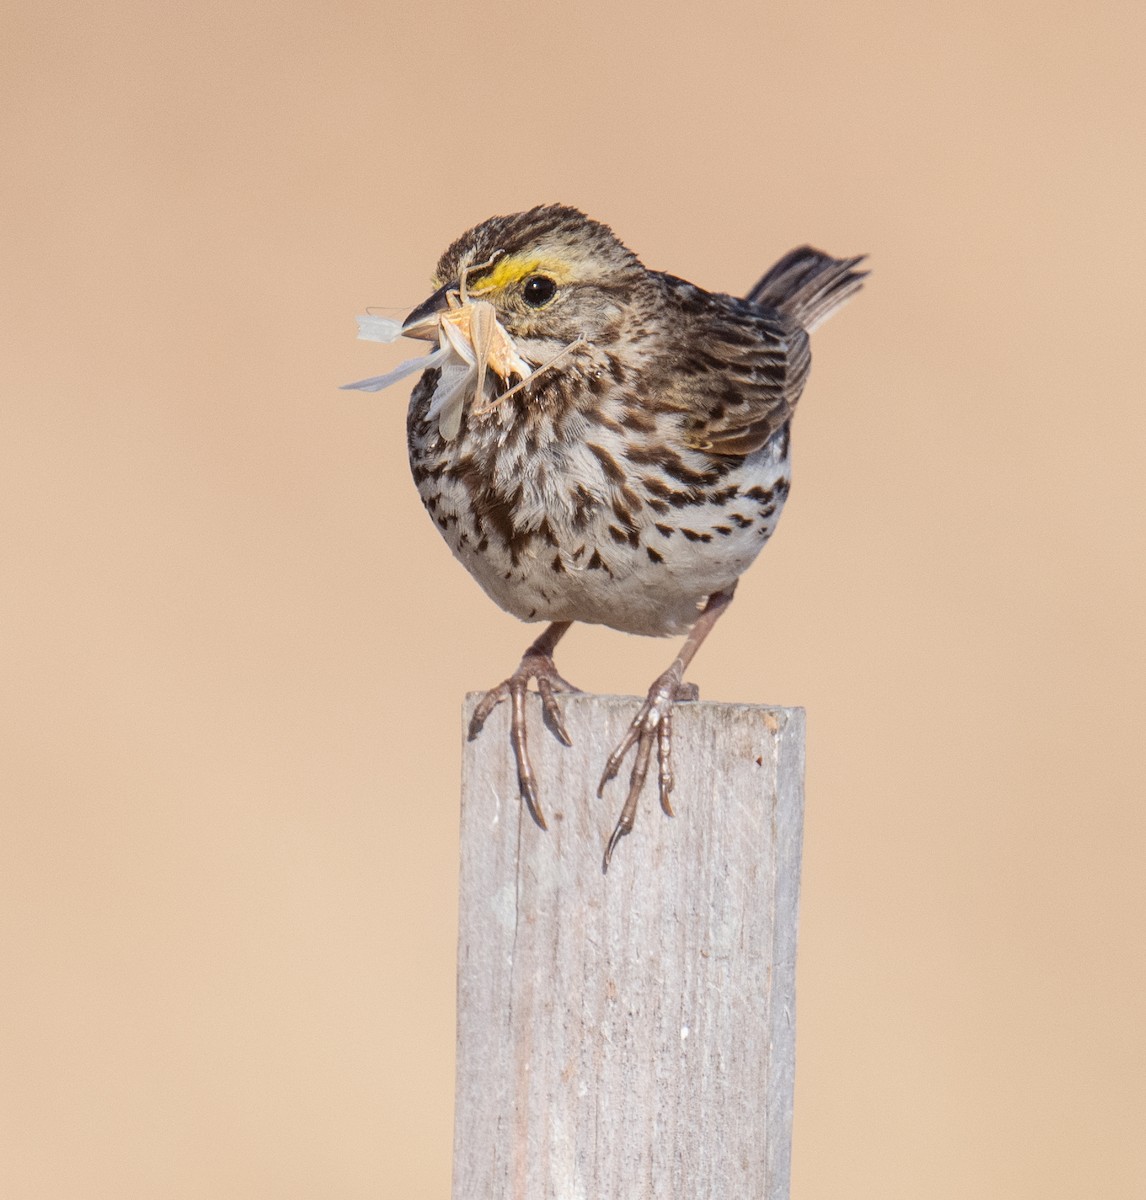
(234, 647)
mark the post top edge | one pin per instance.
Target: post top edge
(610, 701)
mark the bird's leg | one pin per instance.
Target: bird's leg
(653, 725)
(536, 663)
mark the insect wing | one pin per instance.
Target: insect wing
(449, 399)
(409, 367)
(455, 327)
(483, 332)
(373, 328)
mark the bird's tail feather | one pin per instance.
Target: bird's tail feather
(809, 285)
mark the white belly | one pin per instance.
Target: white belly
(646, 576)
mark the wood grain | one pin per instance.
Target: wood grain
(630, 1035)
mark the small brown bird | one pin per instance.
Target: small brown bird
(600, 442)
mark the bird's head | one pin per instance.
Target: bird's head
(552, 275)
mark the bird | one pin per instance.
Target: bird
(603, 443)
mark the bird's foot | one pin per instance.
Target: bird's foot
(536, 664)
(652, 724)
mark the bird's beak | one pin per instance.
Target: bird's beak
(423, 321)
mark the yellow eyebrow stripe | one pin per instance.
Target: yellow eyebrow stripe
(508, 271)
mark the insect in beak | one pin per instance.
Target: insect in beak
(473, 348)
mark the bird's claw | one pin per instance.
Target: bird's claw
(538, 666)
(653, 723)
(551, 710)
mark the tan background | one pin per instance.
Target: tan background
(234, 647)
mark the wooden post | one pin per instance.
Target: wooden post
(630, 1036)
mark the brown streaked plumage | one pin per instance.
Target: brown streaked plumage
(631, 465)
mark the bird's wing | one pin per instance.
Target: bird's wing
(740, 371)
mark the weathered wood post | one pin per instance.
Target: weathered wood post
(630, 1036)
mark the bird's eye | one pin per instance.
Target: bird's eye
(538, 290)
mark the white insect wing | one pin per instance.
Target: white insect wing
(449, 399)
(410, 367)
(373, 328)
